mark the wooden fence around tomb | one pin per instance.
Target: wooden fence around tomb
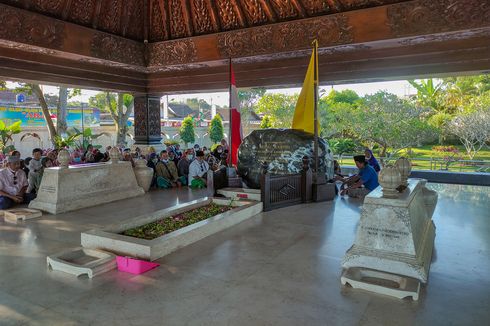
(279, 191)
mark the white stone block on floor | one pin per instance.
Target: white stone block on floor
(382, 283)
(80, 261)
(15, 215)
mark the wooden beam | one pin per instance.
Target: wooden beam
(186, 9)
(240, 14)
(271, 15)
(299, 7)
(214, 15)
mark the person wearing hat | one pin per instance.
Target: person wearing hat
(364, 182)
(198, 170)
(13, 184)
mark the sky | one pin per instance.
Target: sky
(400, 88)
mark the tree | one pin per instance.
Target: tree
(198, 104)
(429, 94)
(216, 132)
(187, 131)
(62, 105)
(335, 118)
(36, 89)
(266, 122)
(279, 107)
(248, 99)
(6, 133)
(346, 96)
(473, 130)
(390, 122)
(120, 106)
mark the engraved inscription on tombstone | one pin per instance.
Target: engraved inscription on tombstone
(283, 150)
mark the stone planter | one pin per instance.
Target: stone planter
(144, 174)
(110, 239)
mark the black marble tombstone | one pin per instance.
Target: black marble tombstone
(283, 150)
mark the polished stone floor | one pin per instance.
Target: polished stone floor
(279, 268)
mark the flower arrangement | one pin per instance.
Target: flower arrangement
(169, 224)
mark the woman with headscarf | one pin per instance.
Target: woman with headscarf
(372, 160)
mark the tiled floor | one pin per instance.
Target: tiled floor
(279, 268)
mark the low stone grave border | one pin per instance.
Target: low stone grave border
(110, 239)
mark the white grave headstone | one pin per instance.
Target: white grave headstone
(396, 235)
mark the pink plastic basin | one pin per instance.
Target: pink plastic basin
(134, 266)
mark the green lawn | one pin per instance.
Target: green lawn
(421, 159)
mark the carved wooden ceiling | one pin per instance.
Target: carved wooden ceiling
(159, 20)
(99, 43)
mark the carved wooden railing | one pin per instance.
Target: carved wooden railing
(279, 191)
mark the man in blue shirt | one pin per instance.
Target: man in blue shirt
(365, 181)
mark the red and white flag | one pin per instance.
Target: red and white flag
(236, 120)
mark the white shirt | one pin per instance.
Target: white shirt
(197, 169)
(8, 184)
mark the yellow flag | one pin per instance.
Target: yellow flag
(304, 114)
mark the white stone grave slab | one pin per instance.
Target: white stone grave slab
(110, 239)
(383, 283)
(81, 186)
(240, 193)
(80, 261)
(396, 235)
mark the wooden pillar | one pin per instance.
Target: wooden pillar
(147, 129)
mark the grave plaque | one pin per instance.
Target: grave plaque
(283, 150)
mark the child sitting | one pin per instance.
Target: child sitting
(34, 167)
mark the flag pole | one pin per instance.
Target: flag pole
(315, 117)
(230, 117)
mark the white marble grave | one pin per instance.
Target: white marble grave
(66, 189)
(396, 235)
(110, 238)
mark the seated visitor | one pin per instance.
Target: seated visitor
(127, 156)
(98, 156)
(26, 165)
(197, 147)
(107, 157)
(45, 163)
(138, 153)
(53, 155)
(217, 152)
(171, 157)
(184, 163)
(13, 184)
(87, 152)
(15, 153)
(34, 167)
(178, 152)
(372, 160)
(152, 163)
(198, 171)
(76, 158)
(364, 182)
(151, 150)
(166, 172)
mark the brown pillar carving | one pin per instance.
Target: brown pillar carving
(147, 129)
